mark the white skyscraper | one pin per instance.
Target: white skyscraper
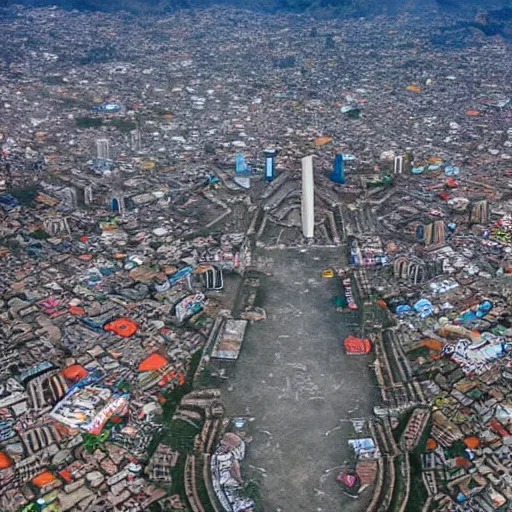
(308, 198)
(103, 149)
(136, 142)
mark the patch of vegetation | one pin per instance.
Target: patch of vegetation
(123, 125)
(25, 195)
(39, 234)
(13, 245)
(155, 507)
(252, 491)
(89, 122)
(418, 494)
(99, 56)
(93, 441)
(173, 397)
(202, 491)
(53, 80)
(172, 401)
(207, 378)
(415, 353)
(422, 443)
(69, 102)
(354, 114)
(457, 449)
(178, 479)
(180, 435)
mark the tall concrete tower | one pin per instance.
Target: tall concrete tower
(308, 198)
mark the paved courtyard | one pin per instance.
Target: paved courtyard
(295, 380)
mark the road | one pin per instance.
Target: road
(294, 379)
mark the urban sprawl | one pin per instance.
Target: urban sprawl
(181, 196)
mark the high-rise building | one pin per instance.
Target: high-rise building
(434, 233)
(270, 165)
(308, 198)
(135, 140)
(479, 212)
(399, 164)
(338, 173)
(103, 149)
(241, 166)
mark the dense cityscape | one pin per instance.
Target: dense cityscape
(255, 261)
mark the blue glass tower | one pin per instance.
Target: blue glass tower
(338, 173)
(270, 166)
(241, 166)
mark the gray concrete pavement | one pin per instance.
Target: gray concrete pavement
(295, 380)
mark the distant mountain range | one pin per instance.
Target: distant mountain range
(499, 12)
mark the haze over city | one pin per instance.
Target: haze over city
(256, 255)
